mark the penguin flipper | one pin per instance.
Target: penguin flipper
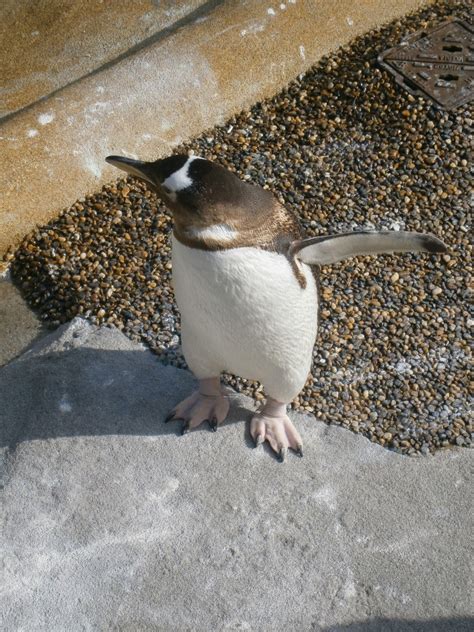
(332, 248)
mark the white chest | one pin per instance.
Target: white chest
(246, 307)
(253, 280)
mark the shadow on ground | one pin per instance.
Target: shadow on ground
(93, 392)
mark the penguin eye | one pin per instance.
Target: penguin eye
(166, 190)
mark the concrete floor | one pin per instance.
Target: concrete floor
(115, 523)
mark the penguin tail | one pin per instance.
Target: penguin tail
(332, 248)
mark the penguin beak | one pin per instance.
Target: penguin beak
(137, 168)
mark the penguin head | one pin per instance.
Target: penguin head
(168, 177)
(190, 186)
(200, 193)
(180, 180)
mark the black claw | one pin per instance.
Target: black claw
(185, 429)
(169, 416)
(213, 424)
(299, 451)
(282, 454)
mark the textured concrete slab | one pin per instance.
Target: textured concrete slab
(113, 522)
(187, 80)
(47, 44)
(19, 327)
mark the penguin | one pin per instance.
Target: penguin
(246, 284)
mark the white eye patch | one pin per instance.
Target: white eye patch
(179, 179)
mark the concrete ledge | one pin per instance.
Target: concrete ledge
(47, 45)
(53, 152)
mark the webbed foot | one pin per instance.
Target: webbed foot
(206, 404)
(272, 424)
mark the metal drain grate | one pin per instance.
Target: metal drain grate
(438, 64)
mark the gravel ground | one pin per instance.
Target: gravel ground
(346, 148)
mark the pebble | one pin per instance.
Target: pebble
(345, 148)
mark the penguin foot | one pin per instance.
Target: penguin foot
(273, 425)
(206, 404)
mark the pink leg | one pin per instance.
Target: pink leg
(273, 425)
(206, 404)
